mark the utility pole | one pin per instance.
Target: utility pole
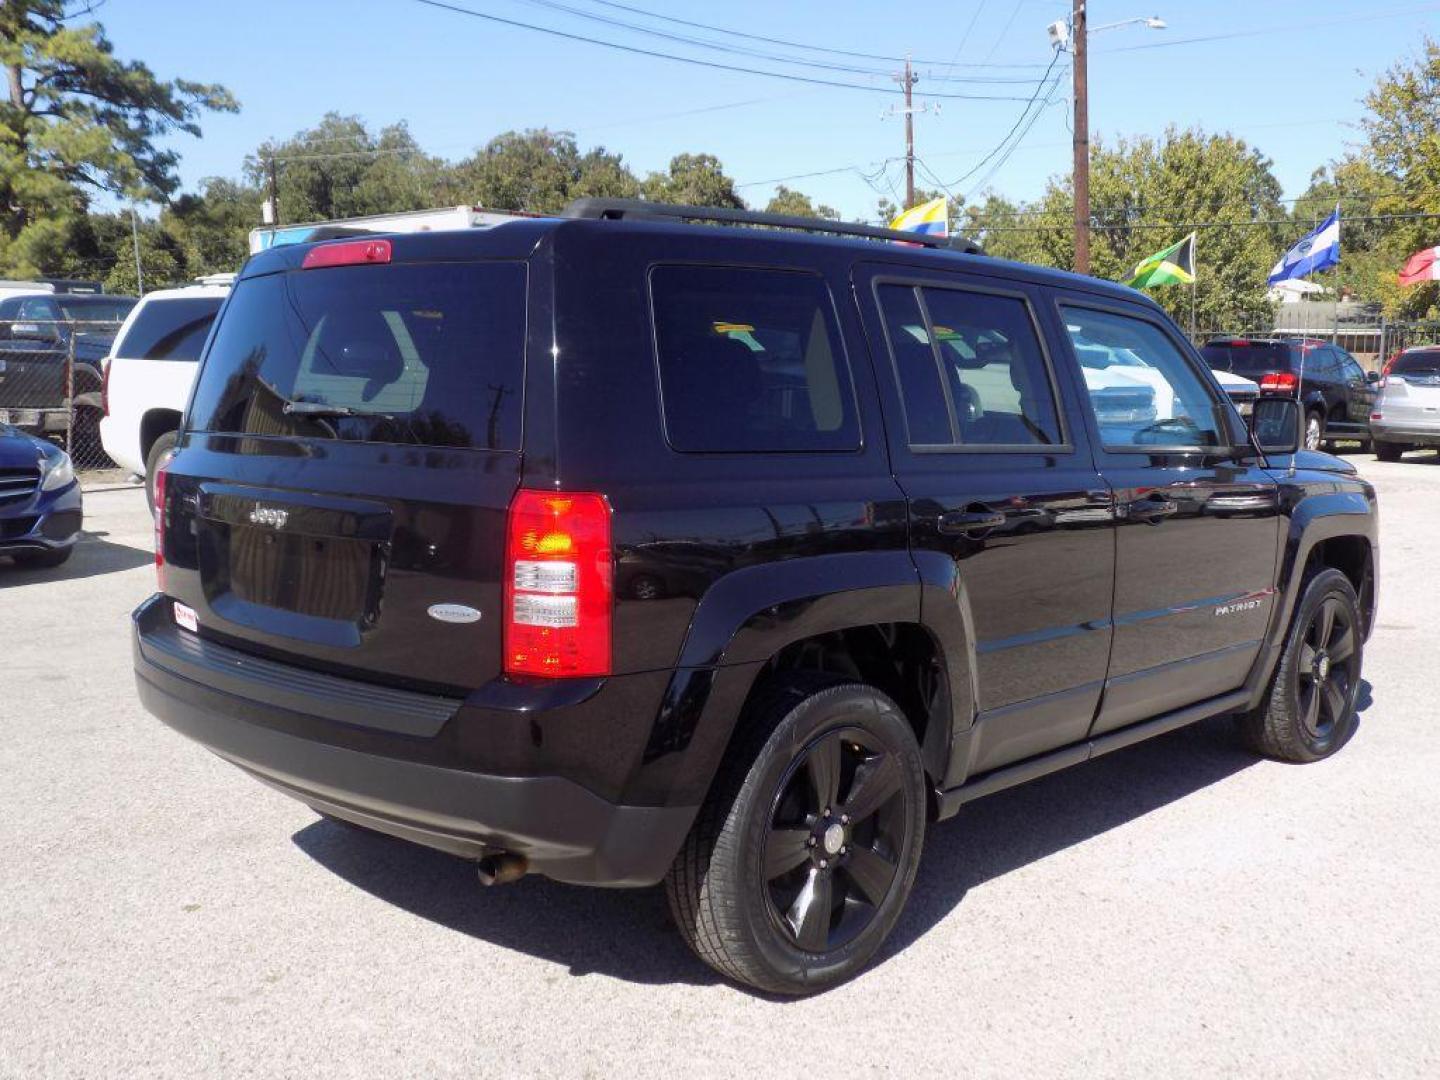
(1082, 140)
(135, 239)
(270, 213)
(908, 79)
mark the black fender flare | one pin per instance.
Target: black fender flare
(1313, 519)
(746, 618)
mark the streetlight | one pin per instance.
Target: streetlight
(1071, 34)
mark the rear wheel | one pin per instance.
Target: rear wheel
(161, 451)
(1388, 451)
(1314, 430)
(805, 852)
(1309, 711)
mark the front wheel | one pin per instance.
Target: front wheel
(804, 854)
(1309, 711)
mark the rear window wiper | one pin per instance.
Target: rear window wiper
(324, 409)
(320, 409)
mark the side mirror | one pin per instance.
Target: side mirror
(1372, 376)
(1275, 425)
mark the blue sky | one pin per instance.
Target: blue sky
(1286, 76)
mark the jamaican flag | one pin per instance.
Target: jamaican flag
(1173, 266)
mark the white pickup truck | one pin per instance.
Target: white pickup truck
(150, 370)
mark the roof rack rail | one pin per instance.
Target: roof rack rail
(639, 209)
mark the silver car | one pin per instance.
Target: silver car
(1406, 414)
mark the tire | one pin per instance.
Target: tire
(43, 560)
(161, 451)
(1314, 436)
(1388, 451)
(833, 887)
(1309, 710)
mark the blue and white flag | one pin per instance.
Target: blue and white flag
(1318, 251)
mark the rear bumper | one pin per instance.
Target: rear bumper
(1417, 432)
(566, 831)
(121, 439)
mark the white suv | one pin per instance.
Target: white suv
(150, 370)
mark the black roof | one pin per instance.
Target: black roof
(519, 239)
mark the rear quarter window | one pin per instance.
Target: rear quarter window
(169, 329)
(751, 360)
(413, 353)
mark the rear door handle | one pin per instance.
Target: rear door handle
(958, 522)
(1152, 510)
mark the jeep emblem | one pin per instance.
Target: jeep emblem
(454, 613)
(272, 516)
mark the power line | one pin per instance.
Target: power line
(713, 64)
(1064, 211)
(740, 50)
(788, 44)
(1039, 89)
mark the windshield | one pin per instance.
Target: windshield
(409, 353)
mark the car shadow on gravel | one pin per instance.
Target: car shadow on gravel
(93, 556)
(626, 933)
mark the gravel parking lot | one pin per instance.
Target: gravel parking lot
(1179, 908)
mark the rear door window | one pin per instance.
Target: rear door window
(993, 368)
(425, 354)
(751, 360)
(169, 329)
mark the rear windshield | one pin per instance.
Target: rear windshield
(428, 354)
(1248, 359)
(169, 329)
(1425, 362)
(96, 308)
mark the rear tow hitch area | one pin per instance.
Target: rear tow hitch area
(501, 868)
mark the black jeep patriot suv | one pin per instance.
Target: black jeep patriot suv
(624, 549)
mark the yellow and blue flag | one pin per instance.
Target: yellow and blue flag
(931, 218)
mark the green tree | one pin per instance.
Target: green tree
(339, 169)
(538, 171)
(798, 204)
(693, 180)
(1145, 194)
(77, 121)
(1395, 171)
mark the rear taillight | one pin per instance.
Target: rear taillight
(1279, 382)
(161, 514)
(105, 388)
(558, 585)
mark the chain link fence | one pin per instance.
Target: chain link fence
(52, 383)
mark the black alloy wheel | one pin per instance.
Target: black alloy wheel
(1309, 710)
(1325, 668)
(803, 855)
(837, 827)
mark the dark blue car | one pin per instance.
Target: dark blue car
(40, 506)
